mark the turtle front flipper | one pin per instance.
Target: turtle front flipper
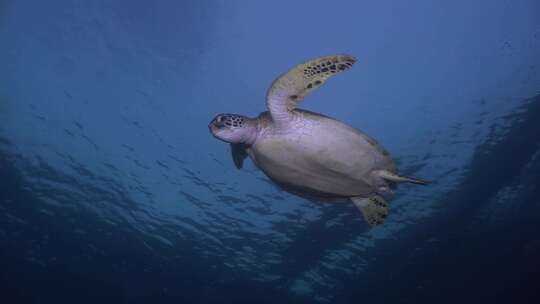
(290, 88)
(374, 208)
(238, 152)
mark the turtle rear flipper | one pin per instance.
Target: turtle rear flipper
(374, 208)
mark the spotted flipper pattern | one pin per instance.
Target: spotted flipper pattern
(290, 88)
(374, 208)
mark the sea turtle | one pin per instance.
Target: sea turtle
(310, 154)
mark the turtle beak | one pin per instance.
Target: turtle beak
(214, 128)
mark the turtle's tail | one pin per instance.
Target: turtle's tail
(400, 179)
(415, 180)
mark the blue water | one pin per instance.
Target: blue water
(112, 190)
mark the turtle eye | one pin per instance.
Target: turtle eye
(218, 122)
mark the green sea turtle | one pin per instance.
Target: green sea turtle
(310, 154)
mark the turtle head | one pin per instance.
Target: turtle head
(234, 129)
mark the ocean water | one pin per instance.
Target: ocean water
(112, 190)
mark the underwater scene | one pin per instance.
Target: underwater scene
(269, 151)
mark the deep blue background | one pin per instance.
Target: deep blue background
(113, 191)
